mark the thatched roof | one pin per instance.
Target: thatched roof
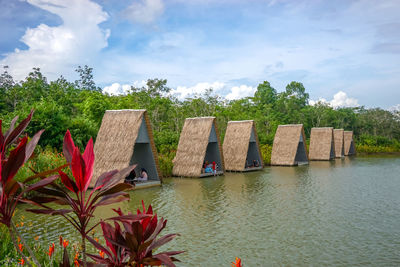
(338, 135)
(236, 144)
(192, 146)
(116, 140)
(286, 143)
(321, 144)
(349, 145)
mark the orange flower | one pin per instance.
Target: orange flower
(51, 250)
(19, 239)
(76, 262)
(65, 243)
(36, 238)
(20, 246)
(97, 240)
(237, 263)
(101, 253)
(21, 261)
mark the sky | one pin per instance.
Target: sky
(345, 52)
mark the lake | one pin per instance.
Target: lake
(340, 213)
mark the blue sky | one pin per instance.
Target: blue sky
(346, 53)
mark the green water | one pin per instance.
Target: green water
(341, 213)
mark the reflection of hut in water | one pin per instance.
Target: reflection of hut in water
(322, 146)
(126, 138)
(289, 148)
(241, 148)
(198, 143)
(349, 146)
(338, 135)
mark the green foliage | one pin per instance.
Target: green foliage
(79, 106)
(266, 151)
(165, 162)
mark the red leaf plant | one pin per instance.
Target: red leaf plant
(14, 152)
(135, 244)
(109, 188)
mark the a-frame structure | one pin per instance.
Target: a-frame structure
(349, 145)
(322, 145)
(198, 143)
(289, 147)
(338, 135)
(125, 138)
(241, 147)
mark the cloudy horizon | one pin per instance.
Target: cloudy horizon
(346, 53)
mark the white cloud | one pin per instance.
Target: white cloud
(144, 11)
(241, 91)
(340, 99)
(117, 89)
(182, 92)
(58, 50)
(122, 89)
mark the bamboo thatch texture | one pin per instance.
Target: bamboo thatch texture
(192, 146)
(116, 138)
(236, 144)
(339, 142)
(321, 144)
(349, 145)
(286, 143)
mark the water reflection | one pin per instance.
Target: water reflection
(344, 212)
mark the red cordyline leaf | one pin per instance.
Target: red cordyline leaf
(135, 241)
(14, 162)
(88, 157)
(68, 182)
(12, 134)
(78, 169)
(108, 189)
(68, 147)
(81, 165)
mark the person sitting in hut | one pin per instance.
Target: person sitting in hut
(130, 179)
(248, 163)
(208, 168)
(214, 168)
(143, 175)
(256, 163)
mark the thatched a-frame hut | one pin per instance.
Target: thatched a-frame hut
(198, 143)
(322, 146)
(289, 148)
(241, 148)
(126, 138)
(349, 146)
(338, 135)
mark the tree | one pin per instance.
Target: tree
(86, 81)
(265, 94)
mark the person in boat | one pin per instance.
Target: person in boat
(143, 175)
(214, 168)
(208, 168)
(130, 179)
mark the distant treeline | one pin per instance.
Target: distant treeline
(80, 105)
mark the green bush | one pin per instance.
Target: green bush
(165, 161)
(266, 151)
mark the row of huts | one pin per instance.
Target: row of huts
(125, 138)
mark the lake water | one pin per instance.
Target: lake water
(340, 213)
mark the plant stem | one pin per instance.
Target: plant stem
(17, 248)
(25, 244)
(84, 250)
